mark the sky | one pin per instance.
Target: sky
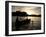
(29, 9)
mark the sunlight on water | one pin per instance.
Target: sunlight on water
(36, 20)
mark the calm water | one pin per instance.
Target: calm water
(36, 24)
(36, 20)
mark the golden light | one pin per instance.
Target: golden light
(29, 12)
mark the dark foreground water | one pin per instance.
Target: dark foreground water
(35, 24)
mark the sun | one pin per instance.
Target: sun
(29, 12)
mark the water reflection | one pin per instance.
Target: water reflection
(35, 23)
